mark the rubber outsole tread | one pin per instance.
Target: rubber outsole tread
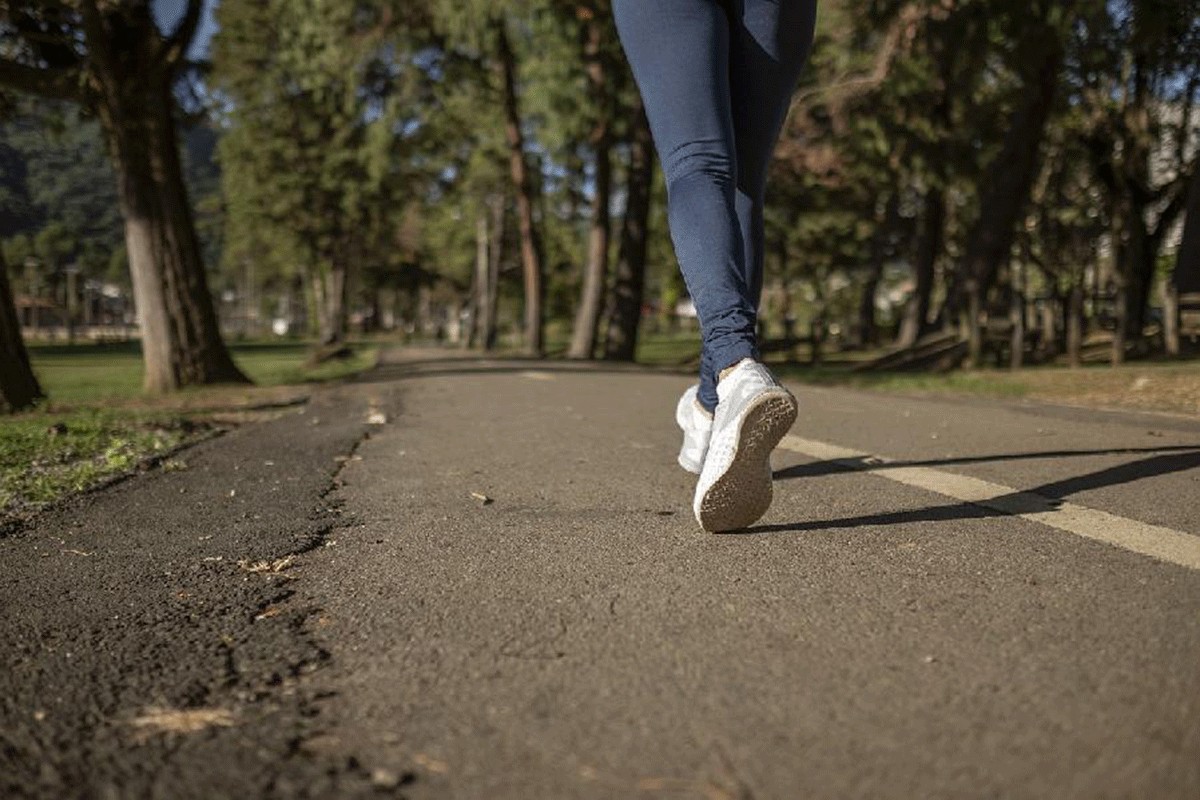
(743, 493)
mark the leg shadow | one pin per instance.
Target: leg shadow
(1046, 497)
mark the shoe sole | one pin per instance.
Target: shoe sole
(743, 493)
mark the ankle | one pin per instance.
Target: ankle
(725, 372)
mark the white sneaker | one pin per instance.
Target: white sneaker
(753, 413)
(696, 427)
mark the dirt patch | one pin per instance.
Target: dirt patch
(1173, 389)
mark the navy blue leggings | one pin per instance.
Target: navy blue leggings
(716, 79)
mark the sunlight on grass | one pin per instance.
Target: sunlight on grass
(669, 349)
(97, 422)
(43, 456)
(99, 373)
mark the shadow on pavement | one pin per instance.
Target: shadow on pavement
(819, 468)
(1042, 498)
(403, 366)
(441, 367)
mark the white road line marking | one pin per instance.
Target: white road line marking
(1155, 541)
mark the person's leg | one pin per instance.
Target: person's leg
(679, 53)
(769, 44)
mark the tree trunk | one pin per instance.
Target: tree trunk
(929, 246)
(1137, 274)
(181, 341)
(867, 332)
(1016, 319)
(1170, 301)
(479, 282)
(972, 327)
(1005, 189)
(1139, 248)
(531, 256)
(1075, 326)
(1187, 259)
(495, 255)
(816, 334)
(1122, 327)
(317, 305)
(1048, 323)
(18, 386)
(620, 343)
(333, 311)
(587, 318)
(425, 325)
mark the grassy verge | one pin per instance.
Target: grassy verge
(1165, 386)
(111, 375)
(98, 424)
(43, 456)
(1162, 386)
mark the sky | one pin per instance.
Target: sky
(167, 14)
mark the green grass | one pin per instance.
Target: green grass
(98, 374)
(44, 456)
(96, 422)
(1153, 385)
(669, 349)
(982, 384)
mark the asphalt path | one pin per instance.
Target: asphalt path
(489, 584)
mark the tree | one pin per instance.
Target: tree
(598, 39)
(1187, 260)
(111, 59)
(319, 142)
(625, 299)
(523, 184)
(60, 173)
(1139, 71)
(1009, 178)
(18, 386)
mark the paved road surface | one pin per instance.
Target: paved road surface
(948, 599)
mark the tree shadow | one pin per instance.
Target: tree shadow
(469, 364)
(1047, 497)
(1166, 460)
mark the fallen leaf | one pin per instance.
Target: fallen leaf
(434, 765)
(278, 565)
(180, 720)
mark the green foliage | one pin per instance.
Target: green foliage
(43, 456)
(319, 129)
(58, 183)
(913, 98)
(369, 135)
(58, 198)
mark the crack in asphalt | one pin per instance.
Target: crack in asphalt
(163, 617)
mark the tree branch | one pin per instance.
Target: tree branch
(845, 87)
(177, 44)
(57, 83)
(98, 45)
(1177, 203)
